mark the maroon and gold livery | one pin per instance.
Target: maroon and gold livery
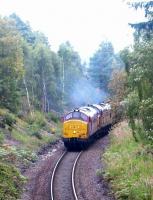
(82, 125)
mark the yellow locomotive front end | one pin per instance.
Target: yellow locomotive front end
(75, 130)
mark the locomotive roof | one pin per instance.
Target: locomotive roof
(89, 111)
(97, 106)
(106, 106)
(92, 110)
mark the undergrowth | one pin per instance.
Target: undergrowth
(20, 139)
(10, 182)
(129, 166)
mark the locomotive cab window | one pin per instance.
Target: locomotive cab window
(84, 117)
(76, 115)
(69, 116)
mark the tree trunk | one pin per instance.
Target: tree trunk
(27, 94)
(44, 94)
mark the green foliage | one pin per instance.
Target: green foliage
(6, 118)
(125, 56)
(133, 105)
(51, 116)
(23, 28)
(102, 64)
(143, 30)
(36, 134)
(32, 76)
(9, 119)
(11, 65)
(140, 72)
(25, 154)
(36, 131)
(10, 182)
(28, 141)
(118, 90)
(1, 137)
(129, 169)
(14, 155)
(71, 70)
(24, 139)
(36, 123)
(146, 113)
(140, 84)
(37, 118)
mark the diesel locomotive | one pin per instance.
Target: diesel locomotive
(82, 125)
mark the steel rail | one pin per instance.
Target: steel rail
(53, 174)
(73, 177)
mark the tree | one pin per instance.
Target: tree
(11, 64)
(141, 82)
(117, 85)
(42, 70)
(43, 74)
(143, 30)
(31, 73)
(140, 73)
(72, 70)
(118, 89)
(101, 65)
(23, 28)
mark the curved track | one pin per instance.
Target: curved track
(63, 177)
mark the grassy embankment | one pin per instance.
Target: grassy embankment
(129, 166)
(20, 139)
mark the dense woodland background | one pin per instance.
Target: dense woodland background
(33, 77)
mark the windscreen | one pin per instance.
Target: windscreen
(76, 115)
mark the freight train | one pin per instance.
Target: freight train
(82, 125)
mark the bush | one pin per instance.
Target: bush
(25, 155)
(146, 113)
(10, 119)
(15, 155)
(21, 114)
(10, 182)
(37, 135)
(1, 137)
(6, 118)
(52, 117)
(37, 118)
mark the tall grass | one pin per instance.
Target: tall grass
(129, 166)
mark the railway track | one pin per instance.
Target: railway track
(63, 177)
